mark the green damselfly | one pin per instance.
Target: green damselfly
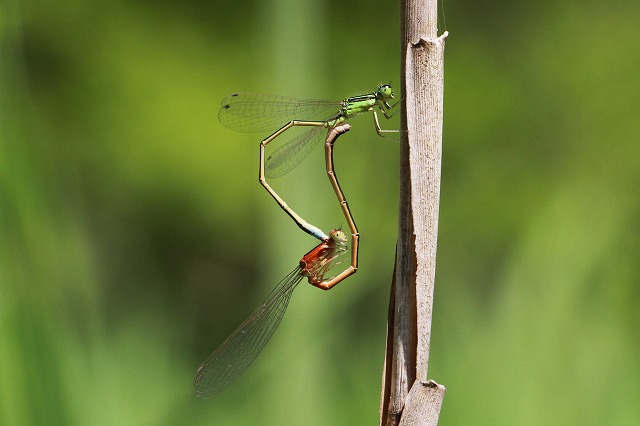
(255, 112)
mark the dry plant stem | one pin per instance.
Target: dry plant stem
(423, 404)
(425, 161)
(407, 397)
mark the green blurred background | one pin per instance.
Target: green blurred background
(134, 236)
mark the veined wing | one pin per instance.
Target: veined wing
(233, 357)
(258, 112)
(286, 157)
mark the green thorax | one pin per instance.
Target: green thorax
(362, 103)
(352, 107)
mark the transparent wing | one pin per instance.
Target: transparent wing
(325, 263)
(233, 357)
(288, 156)
(258, 112)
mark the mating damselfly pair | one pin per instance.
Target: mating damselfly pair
(252, 112)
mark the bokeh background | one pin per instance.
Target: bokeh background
(134, 236)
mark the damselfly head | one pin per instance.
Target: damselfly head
(384, 92)
(338, 236)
